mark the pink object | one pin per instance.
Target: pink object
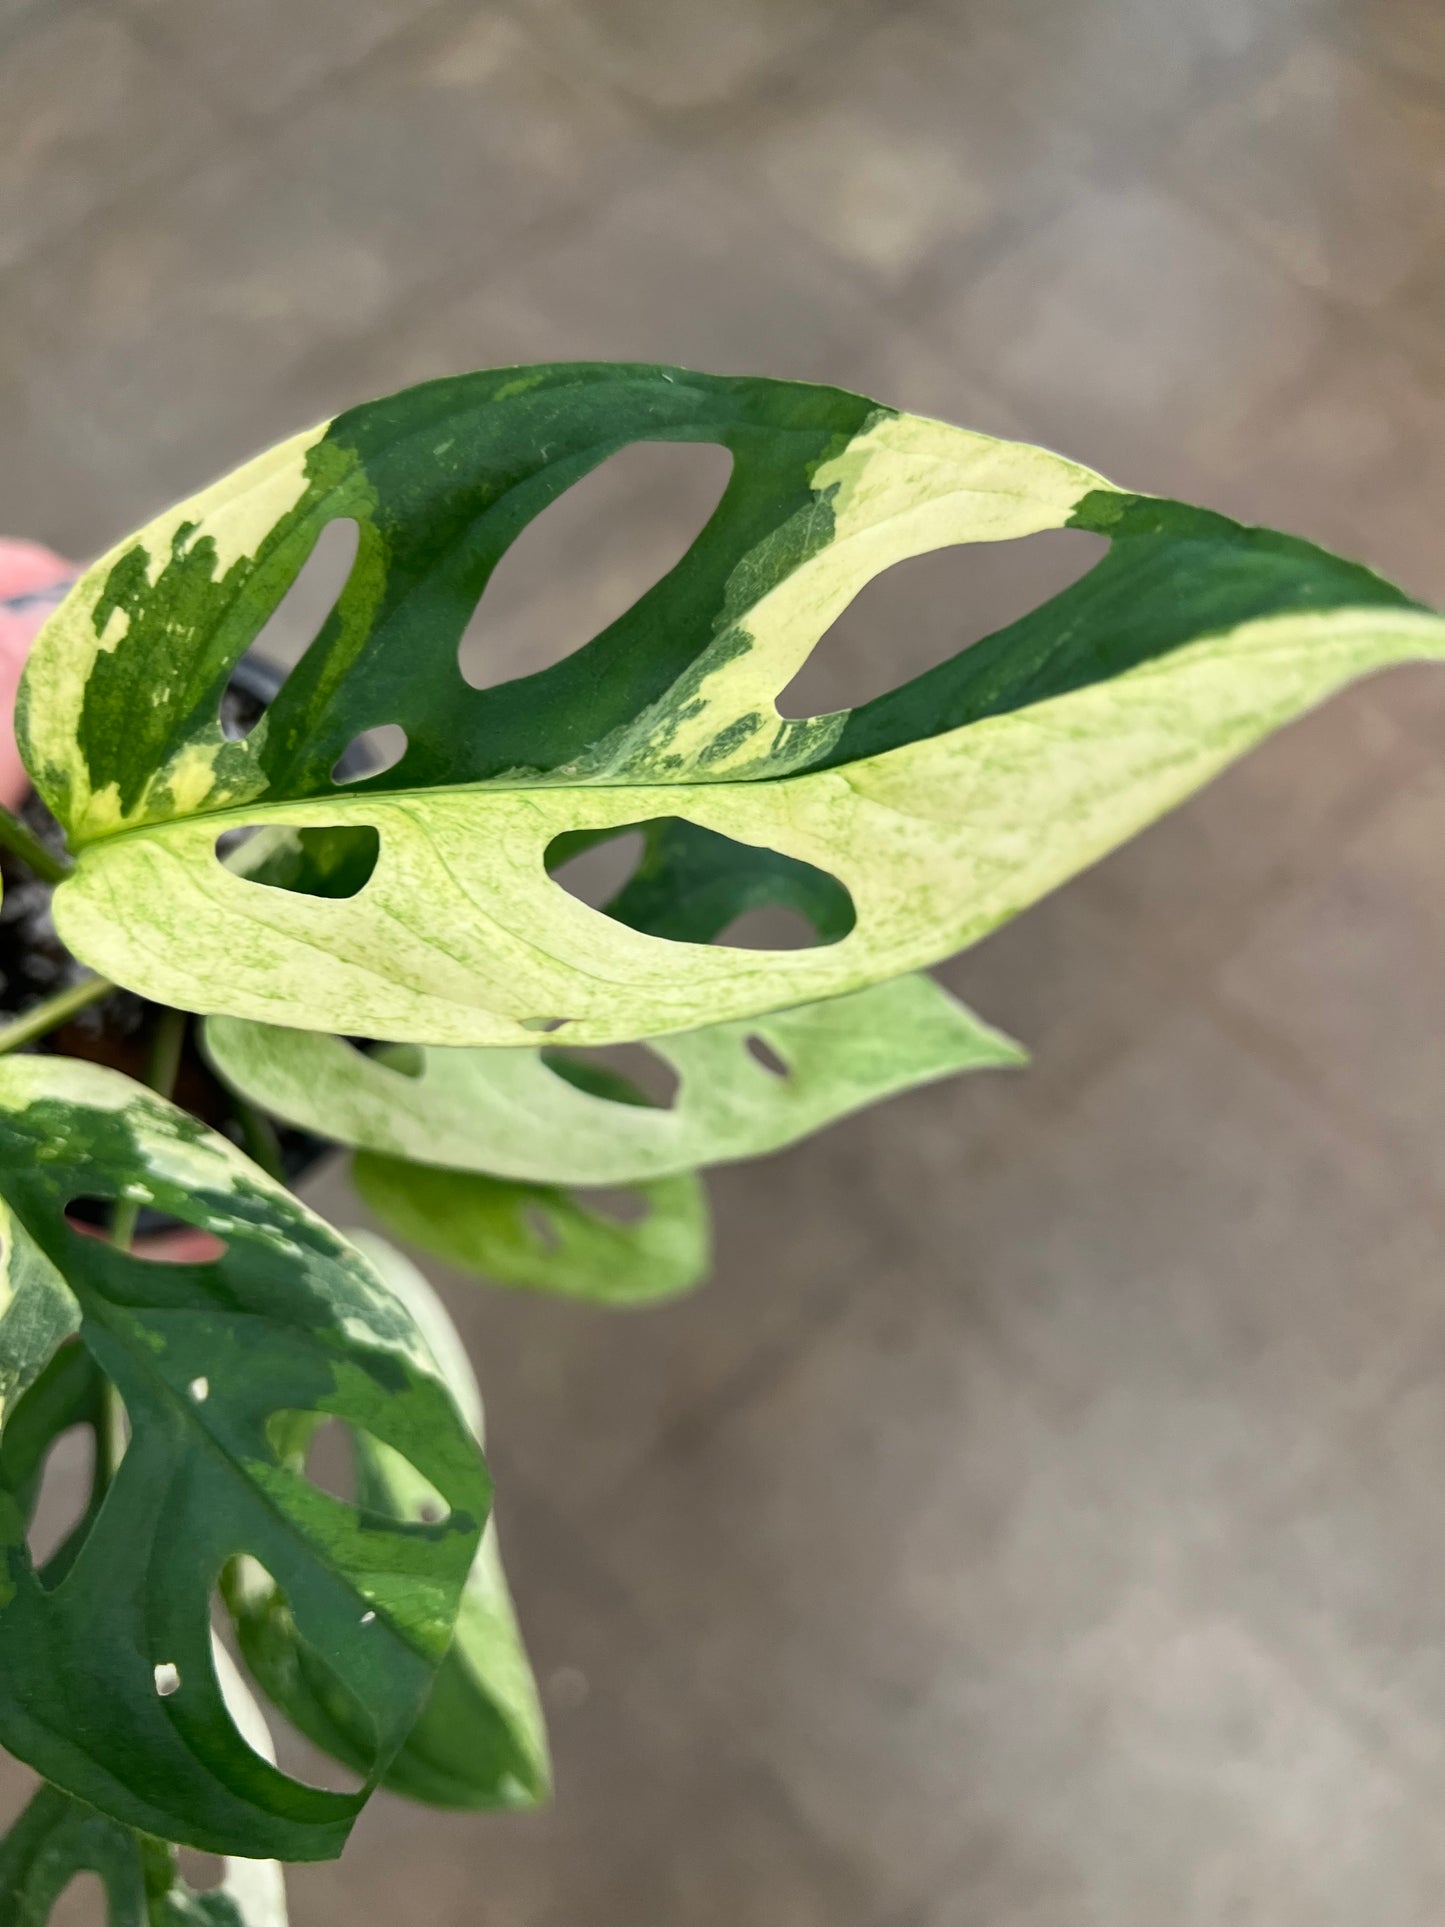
(32, 581)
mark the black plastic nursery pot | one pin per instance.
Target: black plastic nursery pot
(117, 1031)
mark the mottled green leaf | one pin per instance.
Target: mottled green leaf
(108, 1685)
(515, 1114)
(480, 1740)
(941, 808)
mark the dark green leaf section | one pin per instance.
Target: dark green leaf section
(459, 467)
(692, 883)
(56, 1840)
(1173, 574)
(440, 479)
(289, 1318)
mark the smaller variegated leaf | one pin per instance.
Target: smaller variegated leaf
(519, 1114)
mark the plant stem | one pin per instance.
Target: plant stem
(167, 1044)
(53, 1012)
(258, 1136)
(28, 847)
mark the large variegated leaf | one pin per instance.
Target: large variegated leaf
(108, 1685)
(518, 1114)
(943, 807)
(480, 1740)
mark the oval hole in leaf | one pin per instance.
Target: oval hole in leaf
(762, 1052)
(620, 1073)
(372, 753)
(621, 1203)
(333, 861)
(62, 1500)
(299, 616)
(81, 1903)
(669, 878)
(164, 1239)
(589, 557)
(303, 1670)
(597, 872)
(773, 926)
(202, 1872)
(325, 1454)
(330, 1462)
(924, 610)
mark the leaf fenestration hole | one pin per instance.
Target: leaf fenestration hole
(82, 1902)
(623, 1204)
(668, 878)
(300, 615)
(167, 1678)
(544, 1024)
(596, 874)
(372, 753)
(202, 1872)
(330, 1460)
(162, 1237)
(62, 1500)
(590, 556)
(618, 1073)
(331, 861)
(923, 610)
(773, 926)
(332, 1455)
(762, 1052)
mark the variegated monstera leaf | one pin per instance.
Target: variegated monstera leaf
(202, 1384)
(942, 808)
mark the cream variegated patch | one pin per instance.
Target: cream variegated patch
(234, 516)
(460, 937)
(904, 486)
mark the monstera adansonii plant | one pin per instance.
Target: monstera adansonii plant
(385, 958)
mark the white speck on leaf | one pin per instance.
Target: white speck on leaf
(200, 1390)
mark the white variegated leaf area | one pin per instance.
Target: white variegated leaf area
(943, 808)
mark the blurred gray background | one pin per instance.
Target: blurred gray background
(1037, 1522)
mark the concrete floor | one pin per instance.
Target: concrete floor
(1037, 1522)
